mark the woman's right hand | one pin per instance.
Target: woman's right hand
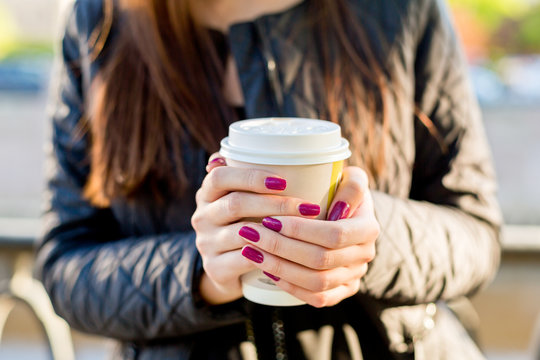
(228, 195)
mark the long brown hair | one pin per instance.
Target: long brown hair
(163, 78)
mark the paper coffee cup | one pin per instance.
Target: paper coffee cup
(308, 153)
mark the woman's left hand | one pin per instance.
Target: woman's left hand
(320, 262)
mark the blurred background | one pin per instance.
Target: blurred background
(502, 41)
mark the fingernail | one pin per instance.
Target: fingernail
(339, 211)
(218, 160)
(272, 224)
(249, 233)
(309, 209)
(275, 278)
(252, 254)
(273, 183)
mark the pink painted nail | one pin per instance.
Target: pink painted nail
(274, 183)
(253, 255)
(272, 224)
(309, 209)
(340, 211)
(249, 233)
(275, 278)
(218, 160)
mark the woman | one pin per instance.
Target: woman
(144, 238)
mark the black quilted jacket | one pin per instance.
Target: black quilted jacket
(130, 272)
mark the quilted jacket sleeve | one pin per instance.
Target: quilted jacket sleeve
(127, 288)
(442, 242)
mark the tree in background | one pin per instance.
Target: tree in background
(494, 28)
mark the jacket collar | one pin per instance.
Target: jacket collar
(268, 56)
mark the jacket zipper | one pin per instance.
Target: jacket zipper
(271, 67)
(278, 332)
(278, 328)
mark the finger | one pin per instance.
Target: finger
(215, 156)
(309, 255)
(321, 299)
(227, 267)
(223, 240)
(331, 235)
(224, 179)
(215, 160)
(366, 208)
(239, 205)
(350, 193)
(309, 279)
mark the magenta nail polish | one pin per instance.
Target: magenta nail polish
(275, 278)
(273, 183)
(309, 209)
(218, 160)
(339, 211)
(272, 224)
(253, 255)
(249, 233)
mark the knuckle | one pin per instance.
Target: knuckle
(294, 228)
(206, 180)
(202, 245)
(199, 245)
(215, 177)
(361, 173)
(251, 178)
(320, 300)
(370, 253)
(196, 220)
(210, 180)
(338, 237)
(321, 282)
(274, 246)
(198, 196)
(324, 260)
(283, 205)
(233, 204)
(275, 268)
(365, 268)
(356, 187)
(198, 241)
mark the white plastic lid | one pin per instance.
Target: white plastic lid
(285, 141)
(258, 288)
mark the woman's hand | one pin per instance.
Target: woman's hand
(228, 195)
(319, 262)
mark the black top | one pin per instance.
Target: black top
(221, 43)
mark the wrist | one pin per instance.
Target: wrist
(214, 294)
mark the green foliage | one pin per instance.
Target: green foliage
(529, 32)
(513, 25)
(492, 12)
